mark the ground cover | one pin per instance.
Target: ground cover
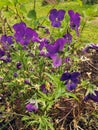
(49, 66)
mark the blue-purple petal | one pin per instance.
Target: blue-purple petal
(60, 14)
(53, 14)
(75, 74)
(10, 39)
(57, 61)
(60, 42)
(71, 86)
(3, 39)
(68, 37)
(19, 26)
(2, 53)
(74, 77)
(31, 107)
(93, 97)
(56, 23)
(65, 76)
(43, 88)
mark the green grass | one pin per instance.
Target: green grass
(88, 12)
(90, 34)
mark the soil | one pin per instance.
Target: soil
(68, 114)
(89, 67)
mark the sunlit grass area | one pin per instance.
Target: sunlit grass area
(88, 14)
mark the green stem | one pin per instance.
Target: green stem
(34, 4)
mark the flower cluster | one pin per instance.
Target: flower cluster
(56, 16)
(24, 34)
(54, 51)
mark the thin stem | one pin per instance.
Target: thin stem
(17, 12)
(13, 113)
(34, 4)
(83, 26)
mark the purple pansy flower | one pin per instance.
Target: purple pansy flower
(10, 40)
(42, 46)
(15, 74)
(43, 42)
(43, 88)
(6, 40)
(51, 50)
(56, 47)
(32, 107)
(56, 16)
(92, 96)
(74, 20)
(26, 81)
(24, 34)
(71, 80)
(91, 46)
(46, 88)
(6, 58)
(68, 37)
(67, 60)
(18, 65)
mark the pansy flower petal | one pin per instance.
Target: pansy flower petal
(60, 43)
(31, 107)
(2, 53)
(10, 39)
(19, 26)
(3, 39)
(53, 14)
(60, 14)
(65, 76)
(71, 86)
(56, 23)
(57, 61)
(75, 74)
(93, 97)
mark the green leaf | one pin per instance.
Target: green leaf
(51, 126)
(71, 95)
(31, 14)
(25, 118)
(54, 78)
